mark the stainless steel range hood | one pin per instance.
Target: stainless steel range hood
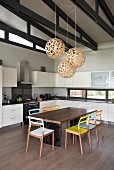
(24, 72)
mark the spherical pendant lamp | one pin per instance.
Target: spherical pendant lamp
(75, 58)
(55, 48)
(65, 70)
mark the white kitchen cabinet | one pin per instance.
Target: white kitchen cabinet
(68, 82)
(0, 96)
(59, 81)
(0, 76)
(63, 103)
(43, 79)
(0, 116)
(104, 107)
(12, 114)
(9, 77)
(47, 103)
(51, 79)
(81, 79)
(73, 103)
(40, 79)
(111, 112)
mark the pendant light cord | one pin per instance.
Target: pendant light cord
(75, 26)
(55, 21)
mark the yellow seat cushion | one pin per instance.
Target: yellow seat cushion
(75, 129)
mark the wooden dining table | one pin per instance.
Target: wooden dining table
(55, 119)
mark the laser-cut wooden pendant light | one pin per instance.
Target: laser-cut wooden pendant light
(65, 70)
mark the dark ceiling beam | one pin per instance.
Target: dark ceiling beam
(97, 6)
(106, 11)
(28, 28)
(64, 16)
(36, 25)
(43, 21)
(84, 6)
(24, 35)
(21, 45)
(36, 17)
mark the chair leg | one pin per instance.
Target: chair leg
(41, 145)
(28, 136)
(102, 130)
(89, 138)
(73, 139)
(76, 138)
(53, 141)
(81, 144)
(65, 140)
(97, 134)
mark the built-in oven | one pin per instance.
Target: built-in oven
(35, 105)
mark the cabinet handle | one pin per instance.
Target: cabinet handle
(13, 110)
(13, 117)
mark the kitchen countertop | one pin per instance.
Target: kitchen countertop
(61, 98)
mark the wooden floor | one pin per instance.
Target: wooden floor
(13, 156)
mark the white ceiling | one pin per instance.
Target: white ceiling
(88, 25)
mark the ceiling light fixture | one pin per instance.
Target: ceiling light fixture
(74, 56)
(55, 47)
(65, 70)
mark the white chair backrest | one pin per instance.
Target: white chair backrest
(36, 121)
(92, 116)
(34, 111)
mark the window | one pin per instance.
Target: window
(2, 34)
(77, 93)
(110, 94)
(96, 94)
(40, 48)
(17, 39)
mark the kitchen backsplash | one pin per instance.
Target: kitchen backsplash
(60, 91)
(8, 92)
(42, 90)
(38, 91)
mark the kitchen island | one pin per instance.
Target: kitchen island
(55, 120)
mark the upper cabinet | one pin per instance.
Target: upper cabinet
(81, 79)
(0, 76)
(43, 79)
(59, 81)
(100, 79)
(51, 79)
(68, 82)
(9, 77)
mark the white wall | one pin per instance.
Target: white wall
(12, 55)
(96, 61)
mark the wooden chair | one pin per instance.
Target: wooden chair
(40, 132)
(92, 117)
(77, 130)
(98, 121)
(47, 109)
(55, 107)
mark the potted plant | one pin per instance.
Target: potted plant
(112, 100)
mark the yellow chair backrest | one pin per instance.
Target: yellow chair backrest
(47, 109)
(83, 119)
(55, 107)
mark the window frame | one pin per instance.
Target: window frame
(90, 99)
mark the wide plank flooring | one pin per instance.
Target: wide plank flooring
(14, 157)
